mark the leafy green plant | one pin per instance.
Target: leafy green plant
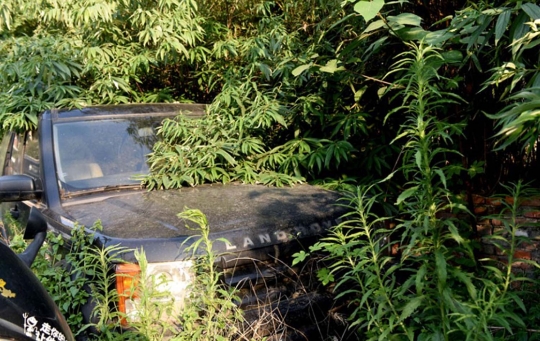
(429, 243)
(506, 307)
(83, 274)
(499, 39)
(294, 86)
(213, 315)
(419, 279)
(154, 317)
(444, 284)
(80, 275)
(364, 270)
(42, 68)
(35, 75)
(261, 127)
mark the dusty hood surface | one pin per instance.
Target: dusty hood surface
(255, 209)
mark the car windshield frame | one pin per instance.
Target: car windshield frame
(103, 152)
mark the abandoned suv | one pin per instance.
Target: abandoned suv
(84, 165)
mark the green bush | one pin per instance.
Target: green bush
(420, 279)
(83, 273)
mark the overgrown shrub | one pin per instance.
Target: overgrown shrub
(83, 274)
(420, 279)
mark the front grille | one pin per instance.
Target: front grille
(277, 298)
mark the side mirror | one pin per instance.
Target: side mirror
(18, 187)
(36, 228)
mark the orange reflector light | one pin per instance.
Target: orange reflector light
(126, 278)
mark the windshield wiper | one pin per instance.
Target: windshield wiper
(102, 189)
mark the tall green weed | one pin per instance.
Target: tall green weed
(212, 315)
(419, 279)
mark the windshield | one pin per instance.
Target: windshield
(105, 152)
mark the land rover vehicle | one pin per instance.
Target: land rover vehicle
(27, 312)
(84, 165)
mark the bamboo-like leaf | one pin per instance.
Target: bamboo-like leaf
(500, 26)
(465, 279)
(299, 69)
(420, 279)
(518, 29)
(406, 194)
(441, 175)
(518, 301)
(532, 9)
(440, 263)
(226, 156)
(418, 159)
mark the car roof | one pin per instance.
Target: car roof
(187, 109)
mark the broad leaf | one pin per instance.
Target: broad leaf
(409, 19)
(375, 26)
(299, 69)
(332, 66)
(368, 9)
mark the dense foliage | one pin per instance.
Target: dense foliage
(417, 277)
(83, 277)
(296, 89)
(442, 95)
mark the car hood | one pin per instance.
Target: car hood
(248, 216)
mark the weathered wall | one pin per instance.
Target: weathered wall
(491, 214)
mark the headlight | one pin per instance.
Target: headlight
(173, 277)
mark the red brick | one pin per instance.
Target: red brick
(484, 229)
(531, 202)
(529, 246)
(522, 265)
(496, 222)
(522, 221)
(499, 229)
(389, 224)
(494, 201)
(484, 222)
(535, 214)
(520, 254)
(519, 220)
(478, 200)
(480, 210)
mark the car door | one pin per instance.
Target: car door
(19, 155)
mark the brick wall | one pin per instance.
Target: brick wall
(489, 221)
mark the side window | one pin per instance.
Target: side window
(4, 159)
(31, 155)
(24, 156)
(17, 154)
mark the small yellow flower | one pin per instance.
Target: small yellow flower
(5, 292)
